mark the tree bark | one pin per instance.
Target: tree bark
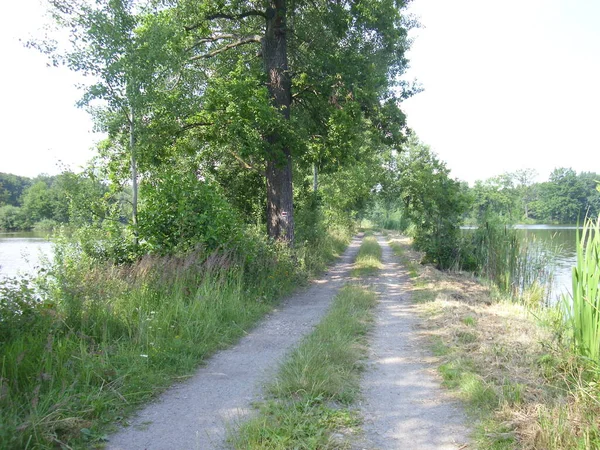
(280, 207)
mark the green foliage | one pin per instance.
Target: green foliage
(184, 79)
(496, 196)
(13, 218)
(12, 188)
(584, 309)
(19, 307)
(317, 243)
(420, 183)
(179, 212)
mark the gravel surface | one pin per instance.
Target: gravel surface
(404, 406)
(197, 413)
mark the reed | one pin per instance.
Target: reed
(583, 307)
(519, 267)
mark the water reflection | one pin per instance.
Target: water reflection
(562, 241)
(22, 252)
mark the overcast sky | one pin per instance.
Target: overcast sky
(507, 85)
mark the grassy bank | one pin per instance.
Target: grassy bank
(314, 386)
(512, 366)
(95, 341)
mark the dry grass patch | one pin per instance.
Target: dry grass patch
(507, 363)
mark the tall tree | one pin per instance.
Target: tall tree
(259, 83)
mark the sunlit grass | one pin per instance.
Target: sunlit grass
(368, 259)
(315, 382)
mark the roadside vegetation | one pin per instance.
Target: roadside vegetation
(88, 343)
(523, 369)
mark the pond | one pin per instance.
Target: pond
(562, 239)
(21, 252)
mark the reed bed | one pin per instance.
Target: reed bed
(521, 268)
(583, 306)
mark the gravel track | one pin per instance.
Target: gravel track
(404, 406)
(196, 414)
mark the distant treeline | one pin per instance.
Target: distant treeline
(567, 197)
(43, 202)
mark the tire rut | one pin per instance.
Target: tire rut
(404, 406)
(197, 413)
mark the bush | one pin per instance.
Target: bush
(13, 218)
(180, 212)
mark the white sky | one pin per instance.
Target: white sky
(508, 85)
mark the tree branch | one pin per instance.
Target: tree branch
(244, 164)
(252, 12)
(242, 41)
(213, 38)
(240, 16)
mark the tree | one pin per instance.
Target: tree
(524, 181)
(258, 84)
(432, 200)
(12, 188)
(563, 197)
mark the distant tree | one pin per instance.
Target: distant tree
(563, 198)
(12, 218)
(495, 196)
(12, 188)
(524, 180)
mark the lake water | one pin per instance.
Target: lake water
(21, 252)
(563, 240)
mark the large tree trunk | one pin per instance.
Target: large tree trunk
(280, 206)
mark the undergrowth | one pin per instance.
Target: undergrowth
(89, 342)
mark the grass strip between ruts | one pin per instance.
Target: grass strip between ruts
(310, 394)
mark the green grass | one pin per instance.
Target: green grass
(368, 259)
(317, 382)
(400, 252)
(106, 339)
(584, 307)
(67, 378)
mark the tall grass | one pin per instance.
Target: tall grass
(584, 308)
(518, 267)
(95, 340)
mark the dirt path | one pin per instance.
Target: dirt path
(195, 414)
(404, 406)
